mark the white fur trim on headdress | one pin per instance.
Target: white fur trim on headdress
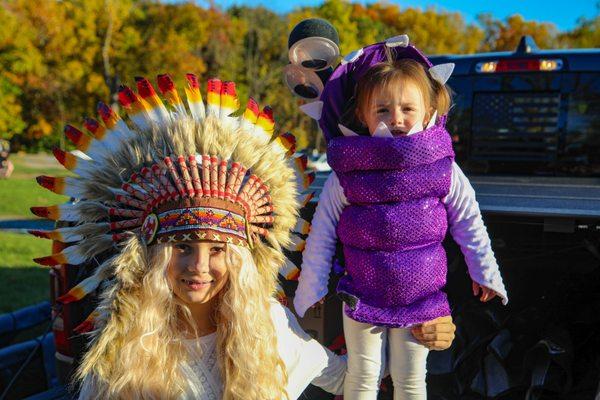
(442, 72)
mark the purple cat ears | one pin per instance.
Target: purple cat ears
(314, 49)
(340, 86)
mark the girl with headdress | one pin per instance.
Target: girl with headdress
(394, 192)
(185, 214)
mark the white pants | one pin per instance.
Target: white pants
(369, 347)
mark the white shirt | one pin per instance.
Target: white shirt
(464, 221)
(305, 359)
(204, 365)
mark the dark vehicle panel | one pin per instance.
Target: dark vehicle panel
(522, 121)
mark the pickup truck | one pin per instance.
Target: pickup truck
(526, 129)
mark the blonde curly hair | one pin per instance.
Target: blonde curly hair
(142, 327)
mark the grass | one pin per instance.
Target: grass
(21, 191)
(28, 166)
(23, 282)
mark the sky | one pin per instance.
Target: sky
(564, 17)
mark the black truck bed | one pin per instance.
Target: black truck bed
(577, 198)
(548, 197)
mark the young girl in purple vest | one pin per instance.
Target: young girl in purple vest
(392, 195)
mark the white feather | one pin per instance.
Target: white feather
(69, 234)
(80, 154)
(69, 212)
(74, 255)
(288, 269)
(300, 225)
(197, 109)
(141, 120)
(296, 243)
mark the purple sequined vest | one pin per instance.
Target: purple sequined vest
(392, 232)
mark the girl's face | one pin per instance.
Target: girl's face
(399, 109)
(197, 271)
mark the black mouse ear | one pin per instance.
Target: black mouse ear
(324, 74)
(303, 82)
(314, 44)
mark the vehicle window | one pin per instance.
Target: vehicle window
(582, 139)
(459, 116)
(527, 124)
(520, 126)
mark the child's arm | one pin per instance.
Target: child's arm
(306, 360)
(468, 230)
(320, 246)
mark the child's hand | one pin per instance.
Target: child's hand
(486, 293)
(436, 334)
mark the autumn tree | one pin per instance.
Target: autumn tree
(17, 58)
(586, 34)
(505, 35)
(435, 31)
(59, 57)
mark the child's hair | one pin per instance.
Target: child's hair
(145, 329)
(391, 74)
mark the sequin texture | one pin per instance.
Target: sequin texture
(393, 229)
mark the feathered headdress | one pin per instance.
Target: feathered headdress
(167, 173)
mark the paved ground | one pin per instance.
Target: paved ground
(22, 225)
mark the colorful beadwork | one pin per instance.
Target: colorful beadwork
(202, 218)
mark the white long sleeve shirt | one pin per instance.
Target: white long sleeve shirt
(306, 361)
(464, 221)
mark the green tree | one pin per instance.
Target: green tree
(18, 59)
(585, 35)
(340, 14)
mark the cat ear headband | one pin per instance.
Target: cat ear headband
(327, 95)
